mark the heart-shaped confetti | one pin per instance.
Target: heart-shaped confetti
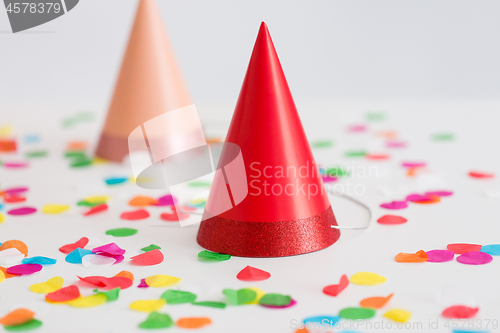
(335, 289)
(81, 243)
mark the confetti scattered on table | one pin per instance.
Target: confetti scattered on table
(239, 297)
(492, 249)
(22, 211)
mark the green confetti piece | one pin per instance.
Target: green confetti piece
(357, 313)
(443, 137)
(36, 154)
(157, 320)
(238, 297)
(178, 297)
(337, 172)
(90, 204)
(218, 305)
(355, 153)
(81, 162)
(30, 325)
(121, 232)
(111, 295)
(150, 248)
(213, 256)
(275, 300)
(322, 143)
(75, 153)
(376, 116)
(199, 184)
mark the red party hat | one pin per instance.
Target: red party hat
(286, 211)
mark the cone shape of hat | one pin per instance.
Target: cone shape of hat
(149, 83)
(286, 211)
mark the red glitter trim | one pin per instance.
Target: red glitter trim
(269, 239)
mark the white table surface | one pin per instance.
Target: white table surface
(467, 216)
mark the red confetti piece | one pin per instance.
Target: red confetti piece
(174, 216)
(335, 289)
(394, 205)
(12, 198)
(377, 156)
(108, 283)
(149, 258)
(24, 269)
(440, 193)
(392, 219)
(70, 247)
(461, 248)
(481, 175)
(7, 146)
(139, 214)
(22, 211)
(96, 209)
(250, 273)
(64, 294)
(459, 312)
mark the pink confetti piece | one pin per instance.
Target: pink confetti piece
(16, 190)
(328, 179)
(292, 303)
(110, 248)
(440, 193)
(357, 128)
(481, 175)
(395, 205)
(440, 255)
(377, 156)
(143, 284)
(474, 258)
(22, 211)
(413, 164)
(395, 144)
(16, 165)
(166, 200)
(135, 215)
(417, 197)
(24, 269)
(459, 312)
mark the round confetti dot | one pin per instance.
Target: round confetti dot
(392, 220)
(440, 255)
(493, 249)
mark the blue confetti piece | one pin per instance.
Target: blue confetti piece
(326, 321)
(468, 331)
(39, 260)
(32, 138)
(115, 180)
(493, 249)
(75, 256)
(1, 206)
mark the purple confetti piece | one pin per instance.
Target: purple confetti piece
(417, 197)
(15, 165)
(24, 269)
(16, 190)
(395, 205)
(143, 284)
(110, 248)
(472, 258)
(328, 179)
(440, 255)
(22, 211)
(292, 303)
(440, 193)
(357, 128)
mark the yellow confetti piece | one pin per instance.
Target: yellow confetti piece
(398, 315)
(148, 305)
(6, 130)
(160, 281)
(367, 279)
(2, 218)
(100, 160)
(88, 301)
(97, 199)
(259, 292)
(50, 286)
(54, 209)
(2, 276)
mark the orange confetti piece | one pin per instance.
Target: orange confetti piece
(7, 275)
(141, 201)
(432, 199)
(17, 317)
(387, 134)
(375, 302)
(77, 145)
(193, 322)
(23, 248)
(125, 274)
(420, 256)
